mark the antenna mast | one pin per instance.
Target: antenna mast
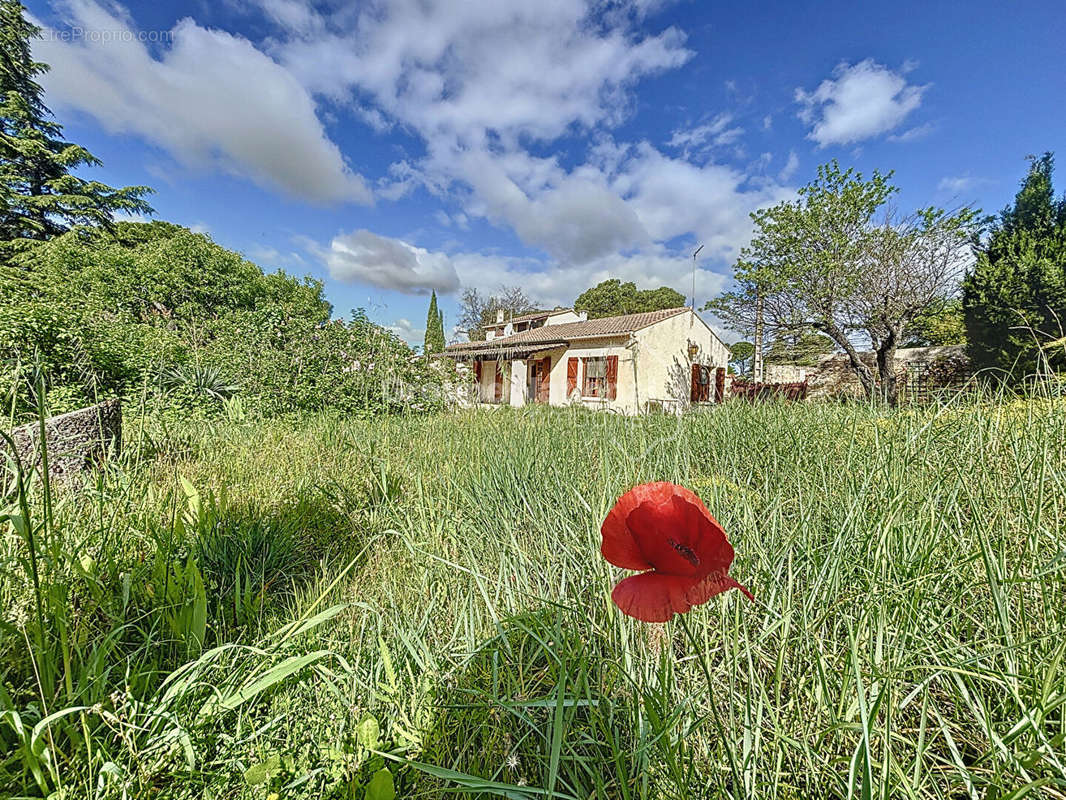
(694, 277)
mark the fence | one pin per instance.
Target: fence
(761, 392)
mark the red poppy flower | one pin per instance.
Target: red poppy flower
(667, 531)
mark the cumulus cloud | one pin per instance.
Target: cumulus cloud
(860, 101)
(365, 257)
(559, 284)
(211, 100)
(479, 80)
(674, 197)
(486, 86)
(458, 70)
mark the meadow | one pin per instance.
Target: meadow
(413, 606)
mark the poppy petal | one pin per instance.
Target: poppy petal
(712, 585)
(664, 533)
(618, 545)
(653, 597)
(678, 535)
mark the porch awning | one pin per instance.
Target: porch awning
(517, 350)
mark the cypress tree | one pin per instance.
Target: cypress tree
(434, 341)
(438, 329)
(39, 197)
(1014, 299)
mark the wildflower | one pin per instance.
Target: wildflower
(667, 532)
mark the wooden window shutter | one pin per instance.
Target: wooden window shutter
(695, 383)
(719, 385)
(612, 377)
(477, 372)
(571, 376)
(544, 380)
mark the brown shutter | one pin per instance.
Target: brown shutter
(719, 385)
(499, 382)
(571, 376)
(695, 383)
(477, 372)
(544, 380)
(612, 377)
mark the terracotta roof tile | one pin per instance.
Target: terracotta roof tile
(567, 331)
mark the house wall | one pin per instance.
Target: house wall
(653, 365)
(519, 373)
(565, 316)
(663, 365)
(595, 348)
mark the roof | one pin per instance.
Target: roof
(605, 327)
(529, 316)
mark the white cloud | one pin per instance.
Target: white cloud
(212, 100)
(477, 81)
(272, 258)
(560, 284)
(961, 183)
(365, 257)
(407, 331)
(913, 134)
(860, 101)
(790, 167)
(458, 70)
(674, 197)
(715, 133)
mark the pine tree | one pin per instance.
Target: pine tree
(1014, 300)
(39, 197)
(434, 341)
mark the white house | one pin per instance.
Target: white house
(659, 359)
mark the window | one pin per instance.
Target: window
(595, 384)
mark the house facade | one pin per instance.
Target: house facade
(660, 359)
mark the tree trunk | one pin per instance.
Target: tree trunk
(886, 368)
(863, 372)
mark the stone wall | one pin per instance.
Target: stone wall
(76, 440)
(786, 373)
(834, 376)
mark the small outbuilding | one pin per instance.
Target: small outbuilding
(658, 360)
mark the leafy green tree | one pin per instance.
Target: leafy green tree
(98, 313)
(740, 357)
(434, 341)
(39, 196)
(798, 347)
(612, 298)
(940, 324)
(285, 363)
(823, 263)
(1014, 298)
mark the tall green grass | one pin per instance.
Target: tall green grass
(907, 638)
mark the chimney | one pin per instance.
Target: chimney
(499, 315)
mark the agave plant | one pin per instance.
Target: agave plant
(199, 379)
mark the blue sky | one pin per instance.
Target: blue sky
(393, 148)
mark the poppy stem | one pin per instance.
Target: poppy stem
(701, 656)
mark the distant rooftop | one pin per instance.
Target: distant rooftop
(567, 331)
(532, 315)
